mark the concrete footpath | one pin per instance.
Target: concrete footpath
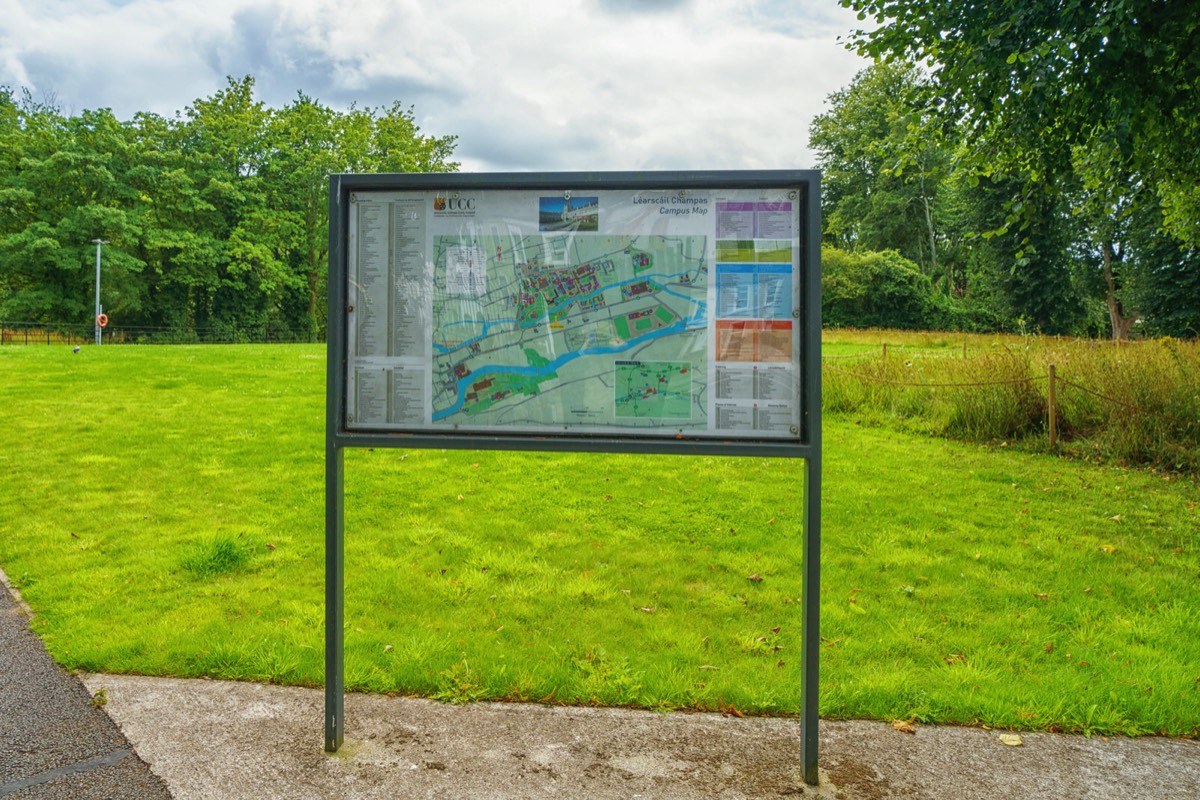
(232, 741)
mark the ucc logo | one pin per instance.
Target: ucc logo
(453, 204)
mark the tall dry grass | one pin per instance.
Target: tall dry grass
(1136, 403)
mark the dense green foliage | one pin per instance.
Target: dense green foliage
(881, 188)
(1026, 84)
(215, 219)
(886, 290)
(1082, 250)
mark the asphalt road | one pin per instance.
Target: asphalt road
(55, 743)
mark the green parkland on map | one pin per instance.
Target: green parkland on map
(545, 330)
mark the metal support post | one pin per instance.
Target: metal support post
(335, 598)
(810, 596)
(810, 611)
(335, 472)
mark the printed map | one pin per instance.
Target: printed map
(579, 330)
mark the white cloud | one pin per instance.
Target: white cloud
(572, 84)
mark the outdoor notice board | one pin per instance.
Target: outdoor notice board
(652, 312)
(638, 306)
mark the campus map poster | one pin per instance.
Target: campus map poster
(618, 313)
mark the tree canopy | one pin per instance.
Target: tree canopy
(1086, 253)
(1028, 82)
(1052, 142)
(216, 219)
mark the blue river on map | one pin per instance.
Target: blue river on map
(695, 323)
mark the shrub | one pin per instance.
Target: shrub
(875, 290)
(886, 290)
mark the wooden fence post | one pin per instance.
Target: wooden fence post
(885, 350)
(1051, 410)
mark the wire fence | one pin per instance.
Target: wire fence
(43, 333)
(936, 384)
(1128, 406)
(1142, 430)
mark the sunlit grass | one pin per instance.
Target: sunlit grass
(162, 512)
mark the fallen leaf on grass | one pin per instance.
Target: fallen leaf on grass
(905, 725)
(1011, 739)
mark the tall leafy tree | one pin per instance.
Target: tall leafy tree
(1034, 279)
(308, 142)
(180, 243)
(67, 189)
(216, 218)
(1029, 81)
(883, 184)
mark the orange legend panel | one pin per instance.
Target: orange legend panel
(754, 340)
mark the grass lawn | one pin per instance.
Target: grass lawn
(161, 509)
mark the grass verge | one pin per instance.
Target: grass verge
(162, 513)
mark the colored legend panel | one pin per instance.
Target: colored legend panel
(754, 340)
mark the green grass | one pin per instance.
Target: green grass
(161, 510)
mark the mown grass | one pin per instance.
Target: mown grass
(1136, 403)
(162, 512)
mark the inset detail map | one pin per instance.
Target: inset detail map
(654, 389)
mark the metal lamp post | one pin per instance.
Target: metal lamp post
(96, 319)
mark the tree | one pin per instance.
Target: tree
(308, 142)
(883, 187)
(66, 188)
(1033, 276)
(216, 218)
(1026, 82)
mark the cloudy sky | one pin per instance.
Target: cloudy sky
(524, 84)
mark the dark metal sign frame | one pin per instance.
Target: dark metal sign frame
(807, 445)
